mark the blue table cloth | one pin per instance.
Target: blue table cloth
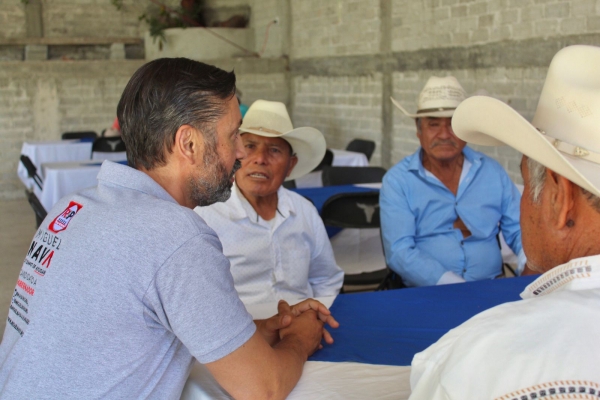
(390, 327)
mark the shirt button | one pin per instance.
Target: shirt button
(462, 243)
(464, 270)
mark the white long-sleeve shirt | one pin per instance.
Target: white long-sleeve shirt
(544, 346)
(289, 257)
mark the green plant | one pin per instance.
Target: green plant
(189, 14)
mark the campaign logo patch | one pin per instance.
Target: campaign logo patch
(61, 222)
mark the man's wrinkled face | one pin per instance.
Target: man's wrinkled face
(438, 139)
(222, 151)
(268, 161)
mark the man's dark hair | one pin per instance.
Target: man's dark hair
(165, 94)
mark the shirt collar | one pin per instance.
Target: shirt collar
(416, 163)
(578, 274)
(131, 178)
(241, 208)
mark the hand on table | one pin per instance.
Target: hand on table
(270, 328)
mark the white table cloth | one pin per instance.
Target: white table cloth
(341, 158)
(52, 151)
(320, 380)
(61, 179)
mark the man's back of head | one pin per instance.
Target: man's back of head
(165, 94)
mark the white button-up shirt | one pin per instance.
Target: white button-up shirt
(289, 257)
(540, 347)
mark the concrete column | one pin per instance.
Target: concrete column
(33, 18)
(385, 48)
(36, 52)
(117, 51)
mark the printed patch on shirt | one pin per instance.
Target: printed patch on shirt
(61, 222)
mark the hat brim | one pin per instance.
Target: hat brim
(432, 114)
(487, 121)
(307, 143)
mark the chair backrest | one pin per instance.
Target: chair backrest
(289, 184)
(351, 175)
(326, 161)
(38, 208)
(31, 170)
(89, 135)
(367, 147)
(108, 144)
(352, 210)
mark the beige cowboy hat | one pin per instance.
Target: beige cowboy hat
(565, 132)
(271, 119)
(439, 98)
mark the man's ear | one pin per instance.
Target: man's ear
(189, 143)
(562, 198)
(292, 164)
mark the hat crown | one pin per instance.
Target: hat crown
(268, 115)
(569, 105)
(441, 93)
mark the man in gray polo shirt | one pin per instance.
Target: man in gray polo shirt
(123, 283)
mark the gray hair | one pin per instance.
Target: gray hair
(537, 173)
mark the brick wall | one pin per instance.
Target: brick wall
(263, 86)
(40, 100)
(445, 23)
(12, 19)
(334, 28)
(340, 107)
(518, 87)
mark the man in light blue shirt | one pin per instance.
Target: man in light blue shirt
(443, 206)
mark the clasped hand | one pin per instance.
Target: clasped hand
(273, 329)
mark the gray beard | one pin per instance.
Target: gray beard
(217, 188)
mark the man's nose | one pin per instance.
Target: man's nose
(259, 156)
(240, 151)
(446, 130)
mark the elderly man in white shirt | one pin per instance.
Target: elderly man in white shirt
(274, 238)
(545, 346)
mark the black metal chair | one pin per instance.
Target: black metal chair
(31, 170)
(355, 210)
(289, 184)
(367, 147)
(83, 135)
(38, 208)
(34, 202)
(352, 175)
(326, 161)
(108, 145)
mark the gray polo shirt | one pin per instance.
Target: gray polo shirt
(120, 288)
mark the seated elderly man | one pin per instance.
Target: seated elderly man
(545, 346)
(274, 238)
(443, 206)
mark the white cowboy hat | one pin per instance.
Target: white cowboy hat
(565, 132)
(271, 119)
(439, 98)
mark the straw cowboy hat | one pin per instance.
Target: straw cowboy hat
(565, 132)
(439, 98)
(271, 119)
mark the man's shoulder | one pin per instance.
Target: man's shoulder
(399, 172)
(298, 200)
(486, 160)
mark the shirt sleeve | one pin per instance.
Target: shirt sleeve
(398, 228)
(325, 276)
(193, 296)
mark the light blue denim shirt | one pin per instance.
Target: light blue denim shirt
(418, 213)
